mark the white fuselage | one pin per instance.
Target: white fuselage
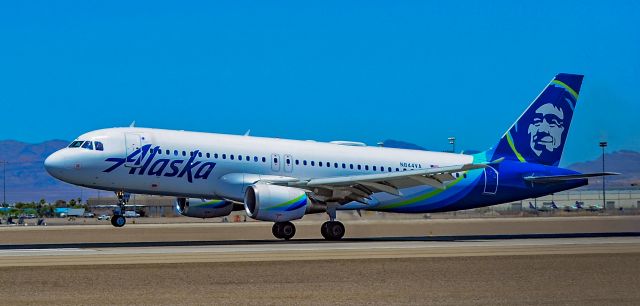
(239, 161)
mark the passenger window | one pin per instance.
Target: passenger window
(359, 168)
(239, 157)
(344, 166)
(313, 163)
(351, 166)
(304, 162)
(374, 168)
(247, 158)
(264, 159)
(366, 167)
(328, 164)
(87, 145)
(275, 160)
(208, 155)
(297, 161)
(320, 164)
(167, 152)
(288, 161)
(184, 153)
(389, 169)
(175, 152)
(224, 156)
(99, 146)
(255, 159)
(231, 157)
(335, 165)
(199, 154)
(397, 169)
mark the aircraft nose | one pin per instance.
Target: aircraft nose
(56, 164)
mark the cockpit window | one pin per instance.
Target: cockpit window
(99, 146)
(87, 145)
(76, 144)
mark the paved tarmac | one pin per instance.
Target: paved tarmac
(580, 265)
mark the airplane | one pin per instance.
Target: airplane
(544, 208)
(281, 180)
(570, 208)
(593, 208)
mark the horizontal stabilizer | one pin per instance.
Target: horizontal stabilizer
(561, 178)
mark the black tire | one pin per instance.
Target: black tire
(332, 230)
(118, 221)
(275, 230)
(287, 230)
(324, 231)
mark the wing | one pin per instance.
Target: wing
(561, 178)
(359, 187)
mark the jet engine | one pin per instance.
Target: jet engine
(201, 208)
(275, 203)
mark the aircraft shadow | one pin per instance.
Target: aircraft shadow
(453, 238)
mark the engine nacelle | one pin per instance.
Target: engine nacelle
(201, 208)
(275, 203)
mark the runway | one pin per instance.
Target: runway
(92, 265)
(313, 250)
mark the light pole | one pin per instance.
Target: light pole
(4, 185)
(452, 142)
(603, 144)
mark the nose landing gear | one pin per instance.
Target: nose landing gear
(118, 220)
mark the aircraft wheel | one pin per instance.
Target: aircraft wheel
(283, 230)
(118, 220)
(275, 230)
(332, 230)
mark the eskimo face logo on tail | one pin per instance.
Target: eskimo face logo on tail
(546, 129)
(144, 163)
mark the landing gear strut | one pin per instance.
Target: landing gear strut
(118, 220)
(283, 230)
(332, 229)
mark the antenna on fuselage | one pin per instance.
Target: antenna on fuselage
(247, 132)
(133, 124)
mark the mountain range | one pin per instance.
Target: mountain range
(27, 180)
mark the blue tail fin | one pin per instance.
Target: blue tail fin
(540, 133)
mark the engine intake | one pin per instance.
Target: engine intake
(201, 208)
(275, 203)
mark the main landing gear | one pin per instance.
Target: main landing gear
(332, 229)
(118, 220)
(283, 230)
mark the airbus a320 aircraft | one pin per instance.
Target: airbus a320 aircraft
(281, 180)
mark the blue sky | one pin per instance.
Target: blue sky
(418, 71)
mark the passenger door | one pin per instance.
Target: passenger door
(132, 143)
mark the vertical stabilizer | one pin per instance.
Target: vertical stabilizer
(539, 134)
